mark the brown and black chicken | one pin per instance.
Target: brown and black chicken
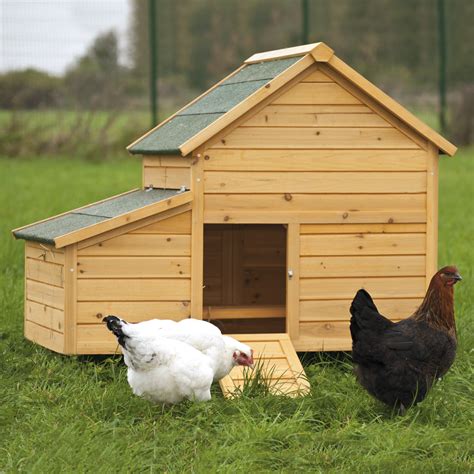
(398, 362)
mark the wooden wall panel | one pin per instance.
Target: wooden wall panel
(262, 182)
(356, 266)
(44, 336)
(311, 202)
(44, 315)
(43, 252)
(346, 288)
(142, 274)
(307, 116)
(315, 160)
(132, 311)
(321, 93)
(169, 172)
(45, 272)
(142, 245)
(257, 138)
(166, 177)
(137, 267)
(363, 244)
(45, 294)
(338, 310)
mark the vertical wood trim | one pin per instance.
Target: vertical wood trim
(197, 236)
(24, 290)
(70, 303)
(432, 212)
(227, 276)
(143, 172)
(293, 285)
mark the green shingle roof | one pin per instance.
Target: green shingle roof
(168, 138)
(47, 231)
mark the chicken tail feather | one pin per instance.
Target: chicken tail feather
(114, 324)
(365, 315)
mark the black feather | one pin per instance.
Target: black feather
(114, 324)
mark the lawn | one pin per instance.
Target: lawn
(76, 414)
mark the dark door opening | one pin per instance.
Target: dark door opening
(245, 277)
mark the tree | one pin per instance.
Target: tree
(97, 80)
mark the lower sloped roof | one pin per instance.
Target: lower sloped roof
(50, 230)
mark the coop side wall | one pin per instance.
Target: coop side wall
(167, 172)
(140, 274)
(352, 183)
(44, 304)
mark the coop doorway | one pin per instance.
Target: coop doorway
(245, 277)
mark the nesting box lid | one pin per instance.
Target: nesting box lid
(260, 76)
(102, 216)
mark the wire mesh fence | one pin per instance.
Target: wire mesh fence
(75, 74)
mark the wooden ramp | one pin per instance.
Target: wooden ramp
(276, 360)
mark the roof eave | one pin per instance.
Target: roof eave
(445, 146)
(251, 101)
(112, 223)
(123, 219)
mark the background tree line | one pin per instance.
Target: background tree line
(393, 43)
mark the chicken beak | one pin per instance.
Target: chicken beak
(457, 276)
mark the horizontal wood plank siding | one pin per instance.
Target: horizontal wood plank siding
(363, 244)
(261, 138)
(45, 294)
(136, 267)
(284, 116)
(180, 224)
(338, 310)
(96, 339)
(320, 93)
(362, 266)
(43, 252)
(134, 311)
(44, 336)
(315, 160)
(363, 228)
(346, 288)
(44, 299)
(310, 202)
(142, 274)
(166, 177)
(45, 272)
(263, 182)
(141, 244)
(169, 172)
(44, 315)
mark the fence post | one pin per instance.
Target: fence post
(442, 65)
(305, 21)
(153, 61)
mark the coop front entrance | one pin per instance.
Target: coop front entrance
(245, 277)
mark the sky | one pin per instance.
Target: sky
(50, 34)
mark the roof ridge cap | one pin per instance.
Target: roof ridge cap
(320, 52)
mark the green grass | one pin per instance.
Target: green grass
(73, 414)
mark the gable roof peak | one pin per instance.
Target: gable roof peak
(321, 52)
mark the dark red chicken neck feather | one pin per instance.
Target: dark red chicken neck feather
(437, 308)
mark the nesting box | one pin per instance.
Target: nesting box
(267, 202)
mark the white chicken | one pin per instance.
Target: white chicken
(225, 352)
(160, 369)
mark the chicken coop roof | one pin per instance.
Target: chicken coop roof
(261, 75)
(99, 217)
(195, 117)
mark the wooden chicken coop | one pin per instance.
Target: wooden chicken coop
(267, 202)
